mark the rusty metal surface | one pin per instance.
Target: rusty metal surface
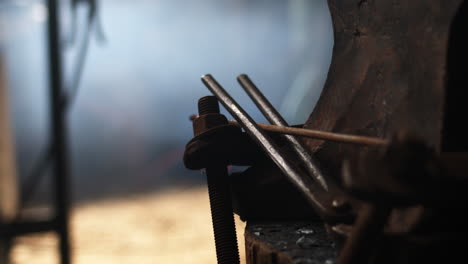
(288, 242)
(380, 233)
(387, 72)
(282, 243)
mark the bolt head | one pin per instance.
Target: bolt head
(205, 122)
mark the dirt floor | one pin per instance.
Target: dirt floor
(172, 226)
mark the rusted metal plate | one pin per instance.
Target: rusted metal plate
(288, 242)
(387, 72)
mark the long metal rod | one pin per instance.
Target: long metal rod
(322, 135)
(59, 139)
(303, 183)
(275, 118)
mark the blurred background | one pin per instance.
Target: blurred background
(129, 118)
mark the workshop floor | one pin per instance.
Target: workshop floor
(172, 226)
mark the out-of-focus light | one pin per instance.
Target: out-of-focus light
(39, 12)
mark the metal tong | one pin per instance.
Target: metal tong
(315, 188)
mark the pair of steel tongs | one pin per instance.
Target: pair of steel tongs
(314, 186)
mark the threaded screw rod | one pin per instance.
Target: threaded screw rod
(222, 217)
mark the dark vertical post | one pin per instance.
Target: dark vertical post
(58, 129)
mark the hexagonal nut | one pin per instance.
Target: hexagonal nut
(205, 122)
